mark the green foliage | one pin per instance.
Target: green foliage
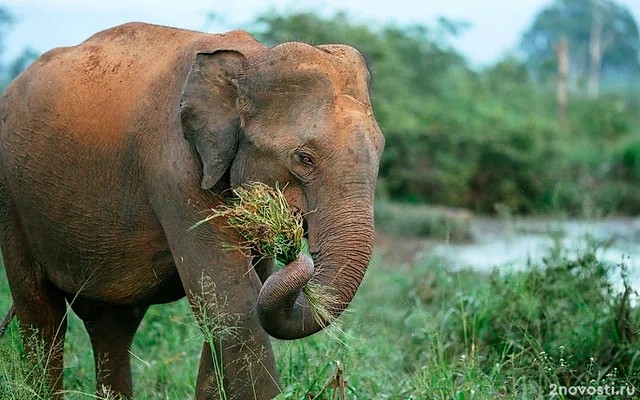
(418, 330)
(22, 377)
(562, 322)
(570, 310)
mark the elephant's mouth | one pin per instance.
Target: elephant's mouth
(305, 224)
(305, 227)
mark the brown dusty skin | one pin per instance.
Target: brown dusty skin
(111, 150)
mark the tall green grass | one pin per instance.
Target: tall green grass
(417, 331)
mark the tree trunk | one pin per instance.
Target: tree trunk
(599, 40)
(595, 51)
(562, 95)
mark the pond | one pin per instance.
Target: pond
(511, 243)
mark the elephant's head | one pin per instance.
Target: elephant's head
(300, 115)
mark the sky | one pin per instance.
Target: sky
(496, 25)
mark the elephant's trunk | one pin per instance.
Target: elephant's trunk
(340, 243)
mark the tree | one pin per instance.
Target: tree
(14, 68)
(562, 97)
(21, 63)
(602, 38)
(6, 20)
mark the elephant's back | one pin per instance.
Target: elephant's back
(96, 88)
(104, 98)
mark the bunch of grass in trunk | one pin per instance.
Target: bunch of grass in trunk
(271, 229)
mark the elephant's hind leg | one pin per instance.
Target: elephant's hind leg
(40, 306)
(111, 330)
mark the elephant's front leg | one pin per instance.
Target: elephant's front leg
(236, 354)
(237, 361)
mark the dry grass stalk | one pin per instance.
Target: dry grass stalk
(265, 221)
(270, 228)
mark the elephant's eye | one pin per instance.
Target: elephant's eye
(305, 159)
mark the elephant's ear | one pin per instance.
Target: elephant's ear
(210, 119)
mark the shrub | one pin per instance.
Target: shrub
(422, 221)
(566, 316)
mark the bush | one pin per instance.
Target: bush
(571, 311)
(562, 322)
(423, 221)
(22, 377)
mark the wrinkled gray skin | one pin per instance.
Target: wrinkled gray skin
(111, 150)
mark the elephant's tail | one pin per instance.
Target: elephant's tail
(7, 319)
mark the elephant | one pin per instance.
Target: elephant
(112, 149)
